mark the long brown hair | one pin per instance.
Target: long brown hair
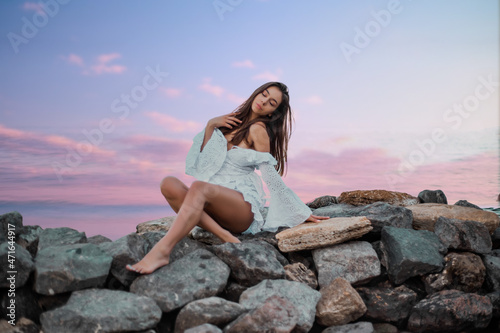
(278, 126)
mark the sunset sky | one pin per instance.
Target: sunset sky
(99, 100)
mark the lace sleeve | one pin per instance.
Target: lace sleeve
(204, 164)
(285, 207)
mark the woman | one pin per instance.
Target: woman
(228, 196)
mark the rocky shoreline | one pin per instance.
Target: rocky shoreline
(384, 262)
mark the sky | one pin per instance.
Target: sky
(99, 100)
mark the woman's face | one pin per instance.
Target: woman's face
(266, 102)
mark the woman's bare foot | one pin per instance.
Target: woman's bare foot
(150, 263)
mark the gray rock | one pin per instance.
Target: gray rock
(495, 238)
(185, 247)
(60, 236)
(410, 253)
(205, 328)
(322, 201)
(126, 250)
(359, 327)
(28, 238)
(98, 239)
(355, 261)
(492, 264)
(300, 273)
(197, 275)
(300, 295)
(26, 305)
(59, 269)
(463, 235)
(388, 304)
(380, 214)
(276, 314)
(23, 325)
(428, 196)
(204, 236)
(233, 291)
(101, 310)
(495, 301)
(450, 311)
(465, 203)
(211, 310)
(17, 265)
(10, 221)
(250, 262)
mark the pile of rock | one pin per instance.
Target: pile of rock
(383, 262)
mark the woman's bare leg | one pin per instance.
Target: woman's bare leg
(175, 191)
(228, 206)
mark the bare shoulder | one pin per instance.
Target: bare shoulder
(259, 137)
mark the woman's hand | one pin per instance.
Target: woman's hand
(228, 120)
(316, 219)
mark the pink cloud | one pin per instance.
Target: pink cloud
(314, 100)
(37, 7)
(173, 124)
(268, 76)
(210, 88)
(101, 65)
(172, 92)
(243, 64)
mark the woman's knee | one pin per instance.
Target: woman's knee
(171, 186)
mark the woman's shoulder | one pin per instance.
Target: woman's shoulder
(259, 137)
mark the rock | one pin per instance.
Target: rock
(183, 248)
(308, 236)
(28, 238)
(125, 250)
(300, 273)
(495, 238)
(26, 304)
(425, 215)
(17, 265)
(387, 304)
(98, 239)
(12, 221)
(462, 271)
(197, 275)
(204, 236)
(492, 264)
(65, 268)
(380, 214)
(250, 263)
(495, 301)
(339, 304)
(410, 253)
(205, 328)
(361, 198)
(465, 203)
(462, 235)
(303, 298)
(323, 201)
(450, 311)
(23, 325)
(428, 196)
(359, 327)
(275, 314)
(212, 310)
(101, 310)
(60, 236)
(233, 291)
(385, 328)
(162, 225)
(356, 261)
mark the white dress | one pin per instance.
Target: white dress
(235, 169)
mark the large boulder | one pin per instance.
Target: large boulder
(59, 269)
(430, 196)
(12, 221)
(426, 215)
(308, 236)
(366, 197)
(163, 224)
(380, 214)
(250, 262)
(60, 236)
(359, 327)
(410, 253)
(325, 200)
(211, 310)
(339, 304)
(492, 264)
(450, 311)
(17, 265)
(101, 310)
(28, 238)
(462, 235)
(355, 261)
(197, 275)
(303, 298)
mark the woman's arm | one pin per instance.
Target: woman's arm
(228, 120)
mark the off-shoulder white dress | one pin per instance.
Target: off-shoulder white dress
(235, 169)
